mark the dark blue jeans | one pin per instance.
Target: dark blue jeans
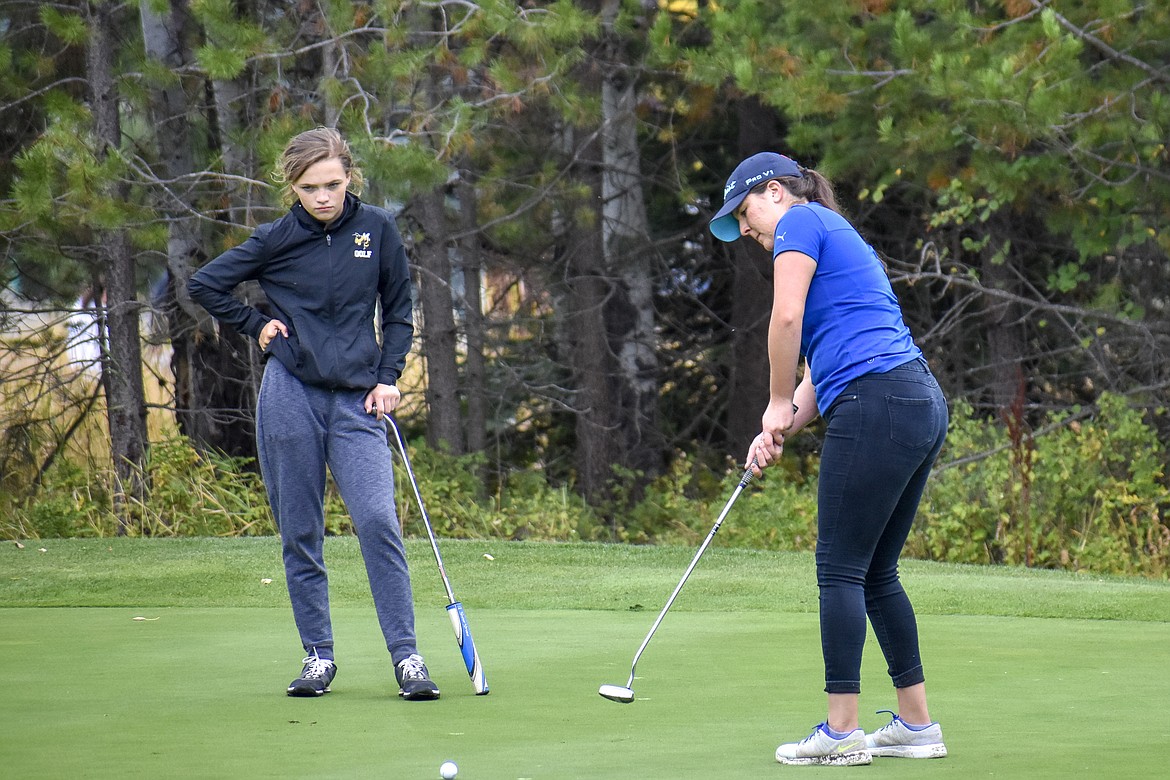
(884, 432)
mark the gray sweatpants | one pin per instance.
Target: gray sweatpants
(299, 430)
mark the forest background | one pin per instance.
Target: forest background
(589, 362)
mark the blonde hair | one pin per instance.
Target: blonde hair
(309, 148)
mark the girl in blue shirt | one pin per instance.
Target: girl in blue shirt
(886, 420)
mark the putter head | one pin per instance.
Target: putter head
(617, 693)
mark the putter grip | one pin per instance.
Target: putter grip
(467, 647)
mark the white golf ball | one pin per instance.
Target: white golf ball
(448, 770)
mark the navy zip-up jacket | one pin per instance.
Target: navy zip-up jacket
(323, 282)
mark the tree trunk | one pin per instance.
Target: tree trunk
(593, 365)
(630, 312)
(474, 374)
(444, 421)
(234, 109)
(230, 114)
(582, 328)
(122, 356)
(212, 391)
(748, 375)
(1006, 343)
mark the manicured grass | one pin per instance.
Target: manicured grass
(1032, 674)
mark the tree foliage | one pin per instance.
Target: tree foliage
(1008, 158)
(553, 166)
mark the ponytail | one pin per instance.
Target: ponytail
(813, 187)
(810, 185)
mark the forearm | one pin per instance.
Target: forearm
(212, 285)
(783, 357)
(226, 308)
(805, 400)
(397, 323)
(396, 342)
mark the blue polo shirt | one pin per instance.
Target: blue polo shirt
(852, 321)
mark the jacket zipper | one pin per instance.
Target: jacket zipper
(332, 301)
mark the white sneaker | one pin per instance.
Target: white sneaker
(821, 749)
(898, 740)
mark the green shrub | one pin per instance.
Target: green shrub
(188, 494)
(57, 517)
(451, 490)
(778, 513)
(456, 496)
(193, 493)
(1099, 499)
(71, 501)
(681, 506)
(1085, 492)
(666, 512)
(966, 498)
(1086, 495)
(527, 507)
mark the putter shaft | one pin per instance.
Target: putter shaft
(744, 480)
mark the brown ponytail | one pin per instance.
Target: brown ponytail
(810, 185)
(813, 187)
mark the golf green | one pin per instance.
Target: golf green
(168, 658)
(194, 692)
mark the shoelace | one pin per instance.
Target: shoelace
(816, 728)
(412, 668)
(893, 718)
(820, 727)
(315, 667)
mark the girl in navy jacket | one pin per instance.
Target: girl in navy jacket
(335, 273)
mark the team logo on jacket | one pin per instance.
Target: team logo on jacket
(363, 241)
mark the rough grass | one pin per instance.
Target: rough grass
(532, 575)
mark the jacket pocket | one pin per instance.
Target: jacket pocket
(287, 351)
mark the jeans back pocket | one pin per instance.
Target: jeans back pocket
(912, 421)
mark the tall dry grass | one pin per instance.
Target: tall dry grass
(52, 409)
